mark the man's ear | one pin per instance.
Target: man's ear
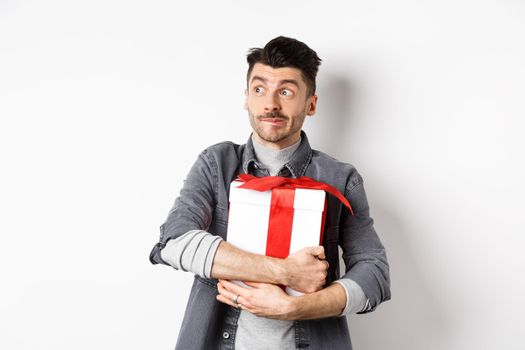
(311, 105)
(246, 99)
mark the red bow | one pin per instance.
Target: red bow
(270, 182)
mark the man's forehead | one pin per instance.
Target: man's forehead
(275, 75)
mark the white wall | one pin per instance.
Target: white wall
(104, 105)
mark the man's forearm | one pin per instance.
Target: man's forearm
(209, 256)
(305, 270)
(326, 302)
(233, 263)
(192, 251)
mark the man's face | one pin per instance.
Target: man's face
(277, 103)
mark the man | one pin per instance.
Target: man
(280, 94)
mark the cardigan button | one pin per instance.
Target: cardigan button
(226, 335)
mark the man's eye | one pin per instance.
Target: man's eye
(287, 92)
(259, 89)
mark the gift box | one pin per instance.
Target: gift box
(276, 216)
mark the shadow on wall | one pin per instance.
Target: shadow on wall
(415, 317)
(332, 123)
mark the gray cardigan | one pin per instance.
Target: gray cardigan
(203, 204)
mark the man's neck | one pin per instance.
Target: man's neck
(274, 159)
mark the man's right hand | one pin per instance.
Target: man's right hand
(306, 269)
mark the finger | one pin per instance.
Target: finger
(322, 254)
(227, 301)
(226, 293)
(223, 281)
(232, 287)
(227, 297)
(254, 284)
(241, 306)
(318, 252)
(326, 263)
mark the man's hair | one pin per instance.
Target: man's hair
(287, 52)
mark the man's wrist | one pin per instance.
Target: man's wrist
(289, 308)
(295, 306)
(279, 271)
(328, 302)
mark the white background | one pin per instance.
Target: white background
(104, 106)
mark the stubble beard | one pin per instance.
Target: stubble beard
(255, 122)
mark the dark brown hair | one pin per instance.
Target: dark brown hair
(287, 52)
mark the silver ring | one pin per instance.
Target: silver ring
(235, 298)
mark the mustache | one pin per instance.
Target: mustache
(274, 114)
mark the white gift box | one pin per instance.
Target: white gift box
(250, 214)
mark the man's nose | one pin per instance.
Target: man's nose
(272, 103)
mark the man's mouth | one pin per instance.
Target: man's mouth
(273, 118)
(274, 121)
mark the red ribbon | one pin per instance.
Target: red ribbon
(270, 182)
(280, 224)
(282, 207)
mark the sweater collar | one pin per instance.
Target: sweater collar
(297, 165)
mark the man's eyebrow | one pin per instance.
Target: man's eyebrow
(256, 77)
(289, 81)
(281, 82)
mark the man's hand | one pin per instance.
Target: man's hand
(269, 300)
(263, 299)
(306, 269)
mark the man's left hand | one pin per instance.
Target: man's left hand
(262, 299)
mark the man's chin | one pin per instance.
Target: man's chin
(268, 136)
(271, 137)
